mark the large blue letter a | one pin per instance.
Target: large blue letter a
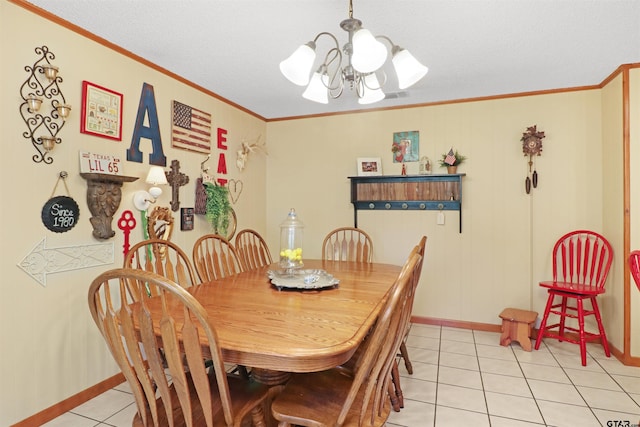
(147, 107)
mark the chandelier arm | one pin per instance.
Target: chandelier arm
(339, 88)
(334, 55)
(393, 45)
(325, 33)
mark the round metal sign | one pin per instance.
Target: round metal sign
(60, 214)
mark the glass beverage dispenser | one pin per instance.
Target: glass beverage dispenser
(291, 231)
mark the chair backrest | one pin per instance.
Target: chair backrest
(634, 266)
(138, 350)
(252, 250)
(373, 369)
(214, 257)
(415, 279)
(162, 257)
(347, 244)
(582, 257)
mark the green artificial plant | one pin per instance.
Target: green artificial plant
(217, 208)
(459, 158)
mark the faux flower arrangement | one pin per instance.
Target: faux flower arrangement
(452, 158)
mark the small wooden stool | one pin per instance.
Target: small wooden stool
(516, 326)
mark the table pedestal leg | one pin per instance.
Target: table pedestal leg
(269, 377)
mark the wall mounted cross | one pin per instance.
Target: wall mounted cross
(176, 179)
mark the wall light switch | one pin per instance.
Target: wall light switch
(440, 218)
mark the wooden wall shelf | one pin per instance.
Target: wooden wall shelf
(103, 197)
(407, 192)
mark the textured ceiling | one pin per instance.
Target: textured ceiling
(473, 48)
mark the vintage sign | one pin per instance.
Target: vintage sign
(60, 214)
(100, 163)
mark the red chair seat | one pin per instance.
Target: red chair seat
(581, 263)
(574, 288)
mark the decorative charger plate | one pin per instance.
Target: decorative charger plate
(302, 279)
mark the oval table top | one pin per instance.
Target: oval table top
(293, 330)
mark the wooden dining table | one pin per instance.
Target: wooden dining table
(276, 332)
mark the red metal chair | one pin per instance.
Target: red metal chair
(634, 267)
(581, 263)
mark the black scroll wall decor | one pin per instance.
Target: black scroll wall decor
(532, 147)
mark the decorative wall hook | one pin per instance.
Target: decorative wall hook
(531, 146)
(43, 85)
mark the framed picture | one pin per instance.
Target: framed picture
(190, 128)
(101, 112)
(186, 218)
(406, 146)
(369, 166)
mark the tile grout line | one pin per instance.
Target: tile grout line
(435, 398)
(484, 391)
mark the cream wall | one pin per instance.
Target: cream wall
(505, 246)
(50, 348)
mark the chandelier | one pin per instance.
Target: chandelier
(365, 56)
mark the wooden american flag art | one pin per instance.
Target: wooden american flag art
(191, 128)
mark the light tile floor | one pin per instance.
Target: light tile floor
(465, 378)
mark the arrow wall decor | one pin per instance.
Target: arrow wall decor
(42, 261)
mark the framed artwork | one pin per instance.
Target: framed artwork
(101, 113)
(190, 128)
(369, 166)
(186, 218)
(406, 146)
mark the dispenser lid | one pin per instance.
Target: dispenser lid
(292, 220)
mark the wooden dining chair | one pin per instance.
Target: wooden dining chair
(357, 396)
(581, 263)
(347, 244)
(252, 250)
(214, 257)
(162, 257)
(137, 336)
(404, 353)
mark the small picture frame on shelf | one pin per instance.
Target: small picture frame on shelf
(186, 218)
(369, 166)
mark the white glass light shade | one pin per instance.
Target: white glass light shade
(155, 192)
(368, 53)
(408, 69)
(156, 176)
(297, 67)
(372, 91)
(317, 90)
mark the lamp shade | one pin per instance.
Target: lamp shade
(408, 69)
(368, 53)
(156, 176)
(372, 91)
(317, 90)
(297, 67)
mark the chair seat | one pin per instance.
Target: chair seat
(297, 406)
(573, 288)
(242, 395)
